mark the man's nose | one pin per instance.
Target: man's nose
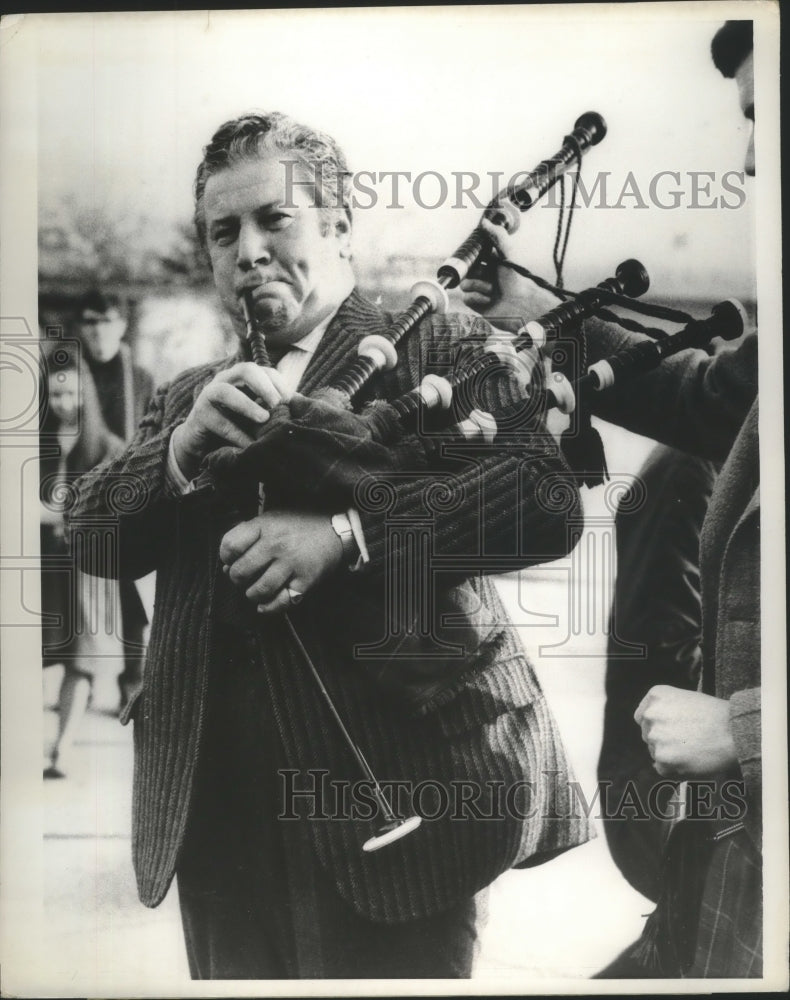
(253, 247)
(749, 164)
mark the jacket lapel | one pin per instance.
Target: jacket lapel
(735, 493)
(355, 318)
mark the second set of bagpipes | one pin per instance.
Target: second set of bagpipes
(315, 451)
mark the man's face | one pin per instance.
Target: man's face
(268, 239)
(64, 396)
(101, 333)
(744, 77)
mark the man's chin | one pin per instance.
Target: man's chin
(275, 320)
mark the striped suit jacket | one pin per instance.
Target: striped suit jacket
(488, 726)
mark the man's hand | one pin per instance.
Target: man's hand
(224, 414)
(688, 733)
(279, 550)
(517, 300)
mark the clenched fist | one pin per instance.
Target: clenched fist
(277, 551)
(688, 733)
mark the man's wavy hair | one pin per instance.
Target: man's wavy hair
(256, 133)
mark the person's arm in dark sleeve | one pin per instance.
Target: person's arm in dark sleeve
(692, 400)
(655, 635)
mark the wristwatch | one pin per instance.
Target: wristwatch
(342, 528)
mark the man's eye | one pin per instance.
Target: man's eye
(223, 237)
(277, 220)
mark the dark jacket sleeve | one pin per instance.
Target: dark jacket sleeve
(655, 637)
(693, 401)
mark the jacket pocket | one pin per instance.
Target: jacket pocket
(498, 682)
(413, 654)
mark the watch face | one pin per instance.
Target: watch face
(341, 525)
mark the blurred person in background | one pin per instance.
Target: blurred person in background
(124, 388)
(708, 920)
(73, 439)
(124, 391)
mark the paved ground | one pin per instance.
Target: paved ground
(567, 918)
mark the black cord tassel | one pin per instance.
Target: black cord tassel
(583, 450)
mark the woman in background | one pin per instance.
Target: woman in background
(83, 609)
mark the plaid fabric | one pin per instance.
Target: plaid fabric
(730, 934)
(708, 920)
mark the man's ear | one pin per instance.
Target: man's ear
(343, 227)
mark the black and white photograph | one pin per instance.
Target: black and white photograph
(393, 545)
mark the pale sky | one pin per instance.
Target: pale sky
(127, 100)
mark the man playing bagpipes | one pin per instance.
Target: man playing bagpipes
(324, 596)
(708, 920)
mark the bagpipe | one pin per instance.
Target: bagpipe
(727, 321)
(313, 452)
